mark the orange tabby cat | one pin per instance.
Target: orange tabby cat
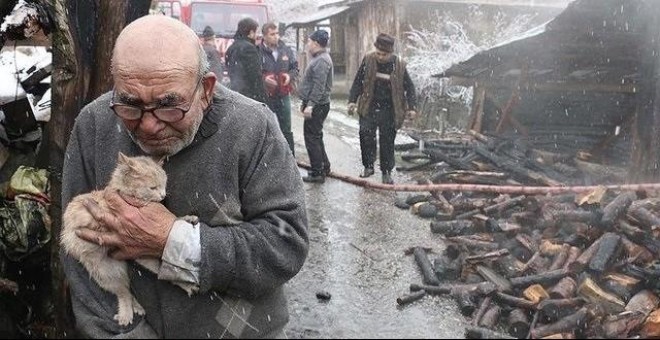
(138, 177)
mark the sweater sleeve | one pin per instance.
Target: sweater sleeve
(93, 307)
(270, 246)
(358, 83)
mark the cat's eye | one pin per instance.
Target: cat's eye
(153, 188)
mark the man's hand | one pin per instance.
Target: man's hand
(352, 107)
(133, 232)
(270, 81)
(411, 114)
(307, 112)
(287, 79)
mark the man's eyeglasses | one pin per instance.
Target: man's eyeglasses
(165, 114)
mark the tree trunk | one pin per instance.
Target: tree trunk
(82, 48)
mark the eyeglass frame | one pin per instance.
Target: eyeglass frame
(153, 110)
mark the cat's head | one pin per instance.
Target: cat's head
(140, 177)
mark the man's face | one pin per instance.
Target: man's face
(271, 37)
(159, 90)
(382, 56)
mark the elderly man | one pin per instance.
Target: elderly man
(383, 95)
(226, 162)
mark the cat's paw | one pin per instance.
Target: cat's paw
(192, 219)
(124, 317)
(137, 307)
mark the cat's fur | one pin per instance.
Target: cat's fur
(140, 178)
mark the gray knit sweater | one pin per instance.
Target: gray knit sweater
(240, 178)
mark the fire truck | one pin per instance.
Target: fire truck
(222, 15)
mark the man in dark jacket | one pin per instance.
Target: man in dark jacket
(280, 70)
(314, 91)
(244, 62)
(385, 96)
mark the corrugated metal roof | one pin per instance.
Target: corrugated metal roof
(318, 16)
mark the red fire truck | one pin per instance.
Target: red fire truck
(222, 15)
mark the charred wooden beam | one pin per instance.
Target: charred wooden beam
(518, 323)
(623, 286)
(553, 309)
(426, 267)
(583, 260)
(473, 243)
(490, 318)
(479, 313)
(589, 290)
(535, 293)
(502, 284)
(546, 278)
(487, 256)
(620, 326)
(466, 301)
(446, 268)
(645, 217)
(493, 209)
(617, 208)
(634, 233)
(607, 252)
(567, 324)
(635, 252)
(514, 301)
(561, 257)
(645, 301)
(437, 156)
(510, 266)
(537, 263)
(564, 289)
(453, 228)
(408, 298)
(573, 254)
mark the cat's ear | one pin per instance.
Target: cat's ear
(161, 160)
(122, 158)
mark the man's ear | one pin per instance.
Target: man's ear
(209, 81)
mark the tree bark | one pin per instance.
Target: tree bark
(82, 47)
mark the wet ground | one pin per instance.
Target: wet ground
(357, 244)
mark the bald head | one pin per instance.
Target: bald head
(156, 44)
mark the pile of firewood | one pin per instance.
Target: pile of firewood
(565, 266)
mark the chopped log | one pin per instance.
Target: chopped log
(553, 309)
(514, 301)
(453, 228)
(564, 325)
(616, 208)
(510, 228)
(518, 323)
(583, 260)
(437, 156)
(466, 301)
(535, 293)
(624, 286)
(510, 266)
(573, 255)
(490, 318)
(607, 252)
(515, 169)
(579, 215)
(651, 327)
(408, 298)
(493, 209)
(527, 242)
(550, 248)
(502, 283)
(479, 313)
(486, 223)
(487, 256)
(561, 257)
(564, 289)
(621, 326)
(644, 217)
(537, 263)
(473, 332)
(546, 278)
(446, 268)
(635, 252)
(644, 301)
(472, 243)
(426, 266)
(596, 295)
(634, 233)
(483, 288)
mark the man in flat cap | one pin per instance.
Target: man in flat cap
(384, 96)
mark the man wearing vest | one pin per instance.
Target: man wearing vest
(384, 96)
